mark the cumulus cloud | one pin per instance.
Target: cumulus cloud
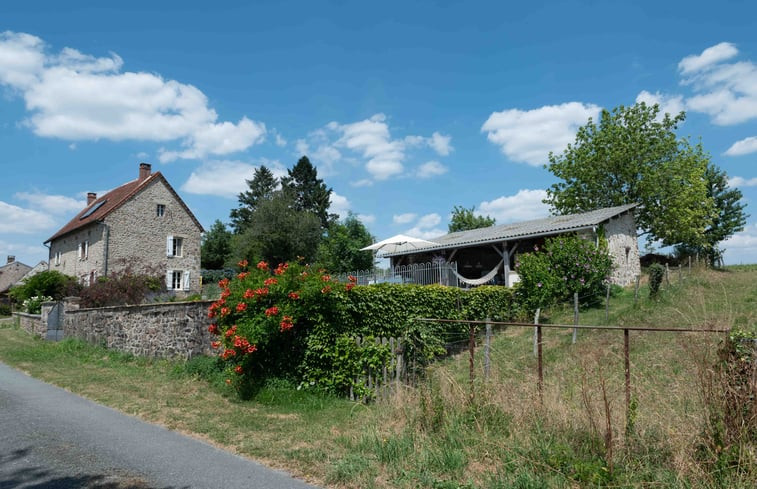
(708, 57)
(726, 91)
(743, 147)
(370, 141)
(54, 204)
(669, 104)
(741, 247)
(431, 169)
(527, 136)
(742, 182)
(367, 218)
(405, 218)
(340, 205)
(523, 206)
(226, 178)
(17, 220)
(75, 96)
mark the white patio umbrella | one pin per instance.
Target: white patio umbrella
(398, 244)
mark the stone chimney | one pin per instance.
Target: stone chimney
(91, 197)
(144, 170)
(11, 259)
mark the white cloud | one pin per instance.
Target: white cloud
(440, 144)
(371, 138)
(278, 138)
(528, 136)
(75, 96)
(714, 54)
(340, 205)
(226, 178)
(742, 182)
(17, 220)
(302, 147)
(367, 218)
(523, 206)
(670, 104)
(429, 221)
(53, 204)
(406, 218)
(431, 169)
(741, 247)
(727, 92)
(26, 253)
(424, 227)
(743, 147)
(365, 182)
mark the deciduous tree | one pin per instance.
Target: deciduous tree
(216, 247)
(340, 249)
(464, 220)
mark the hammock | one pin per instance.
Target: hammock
(482, 280)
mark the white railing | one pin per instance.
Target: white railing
(419, 273)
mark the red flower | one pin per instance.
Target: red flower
(270, 281)
(213, 328)
(349, 286)
(326, 289)
(252, 349)
(240, 342)
(228, 353)
(281, 268)
(230, 332)
(352, 278)
(215, 344)
(326, 278)
(242, 275)
(225, 311)
(262, 265)
(294, 295)
(286, 324)
(249, 294)
(223, 283)
(238, 369)
(241, 307)
(225, 293)
(211, 314)
(261, 291)
(271, 311)
(243, 264)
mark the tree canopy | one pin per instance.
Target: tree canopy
(216, 247)
(464, 219)
(308, 191)
(634, 156)
(339, 251)
(261, 187)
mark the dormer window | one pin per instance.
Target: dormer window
(160, 210)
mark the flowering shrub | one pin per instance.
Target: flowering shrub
(567, 264)
(264, 316)
(33, 305)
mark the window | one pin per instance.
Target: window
(160, 210)
(57, 257)
(83, 252)
(177, 280)
(174, 245)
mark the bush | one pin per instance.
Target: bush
(299, 323)
(566, 265)
(656, 274)
(33, 305)
(49, 283)
(124, 287)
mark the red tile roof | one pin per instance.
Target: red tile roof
(115, 199)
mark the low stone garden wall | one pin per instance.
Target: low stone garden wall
(176, 329)
(31, 323)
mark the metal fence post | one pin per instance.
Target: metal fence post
(487, 349)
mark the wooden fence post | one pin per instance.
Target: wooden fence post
(607, 304)
(667, 275)
(536, 321)
(472, 348)
(636, 290)
(487, 349)
(575, 316)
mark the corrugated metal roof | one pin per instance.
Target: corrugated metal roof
(521, 230)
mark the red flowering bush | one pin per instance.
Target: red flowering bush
(264, 316)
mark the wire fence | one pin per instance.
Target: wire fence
(441, 273)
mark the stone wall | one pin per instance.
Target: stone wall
(178, 329)
(32, 323)
(624, 248)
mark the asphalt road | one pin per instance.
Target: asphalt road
(50, 438)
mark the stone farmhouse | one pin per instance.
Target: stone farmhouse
(488, 255)
(10, 274)
(143, 224)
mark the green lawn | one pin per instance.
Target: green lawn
(433, 435)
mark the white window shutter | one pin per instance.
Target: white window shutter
(169, 279)
(186, 279)
(169, 246)
(86, 249)
(78, 251)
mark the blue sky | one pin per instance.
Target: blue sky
(406, 108)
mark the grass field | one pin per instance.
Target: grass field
(434, 436)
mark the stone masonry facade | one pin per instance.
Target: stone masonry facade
(170, 330)
(139, 234)
(623, 245)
